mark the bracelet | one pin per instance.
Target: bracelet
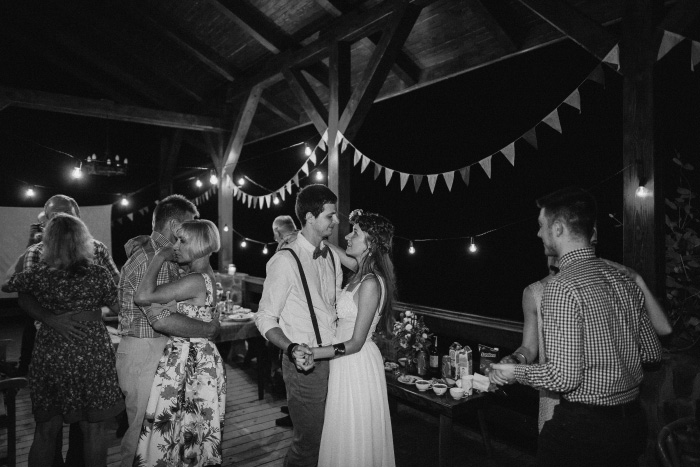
(339, 349)
(519, 357)
(290, 351)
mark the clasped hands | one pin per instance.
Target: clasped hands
(303, 357)
(503, 372)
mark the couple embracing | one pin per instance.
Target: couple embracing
(334, 373)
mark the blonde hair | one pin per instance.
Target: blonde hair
(68, 245)
(202, 235)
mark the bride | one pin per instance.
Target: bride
(357, 429)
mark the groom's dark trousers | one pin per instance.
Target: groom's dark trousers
(306, 398)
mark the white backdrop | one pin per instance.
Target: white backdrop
(14, 231)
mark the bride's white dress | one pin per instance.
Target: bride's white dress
(357, 425)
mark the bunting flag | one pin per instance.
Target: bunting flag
(120, 220)
(574, 100)
(553, 120)
(130, 216)
(417, 178)
(324, 137)
(250, 201)
(387, 175)
(432, 179)
(322, 144)
(694, 54)
(295, 179)
(509, 152)
(597, 75)
(305, 168)
(289, 187)
(343, 144)
(282, 193)
(613, 58)
(669, 41)
(404, 178)
(356, 157)
(531, 137)
(486, 165)
(377, 170)
(365, 163)
(465, 172)
(449, 179)
(312, 157)
(268, 200)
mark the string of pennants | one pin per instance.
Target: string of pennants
(670, 40)
(146, 209)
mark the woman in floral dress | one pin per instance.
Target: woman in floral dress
(185, 412)
(71, 380)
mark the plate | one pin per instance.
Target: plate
(240, 317)
(390, 366)
(407, 379)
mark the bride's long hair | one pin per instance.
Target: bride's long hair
(379, 234)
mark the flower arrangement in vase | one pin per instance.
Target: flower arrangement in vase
(411, 335)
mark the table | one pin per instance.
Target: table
(243, 330)
(445, 407)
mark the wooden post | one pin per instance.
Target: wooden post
(169, 150)
(643, 240)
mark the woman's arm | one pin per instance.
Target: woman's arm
(148, 292)
(347, 261)
(368, 301)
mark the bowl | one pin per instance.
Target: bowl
(457, 393)
(402, 361)
(439, 389)
(422, 385)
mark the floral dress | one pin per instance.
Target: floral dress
(185, 412)
(76, 380)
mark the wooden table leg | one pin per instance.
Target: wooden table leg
(484, 432)
(445, 452)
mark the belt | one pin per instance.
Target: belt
(620, 411)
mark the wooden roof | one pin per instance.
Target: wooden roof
(191, 63)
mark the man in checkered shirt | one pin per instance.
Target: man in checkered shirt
(597, 335)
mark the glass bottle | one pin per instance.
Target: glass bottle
(434, 360)
(422, 363)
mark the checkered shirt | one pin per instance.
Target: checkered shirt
(101, 257)
(136, 321)
(597, 334)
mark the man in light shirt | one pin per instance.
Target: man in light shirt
(284, 317)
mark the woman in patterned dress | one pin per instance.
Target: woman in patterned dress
(185, 410)
(71, 380)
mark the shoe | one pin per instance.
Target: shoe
(284, 421)
(284, 409)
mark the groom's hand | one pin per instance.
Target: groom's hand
(303, 357)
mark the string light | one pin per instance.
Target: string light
(225, 227)
(276, 200)
(77, 172)
(411, 250)
(198, 183)
(30, 193)
(472, 246)
(244, 244)
(124, 201)
(213, 179)
(241, 181)
(642, 192)
(265, 250)
(307, 150)
(319, 175)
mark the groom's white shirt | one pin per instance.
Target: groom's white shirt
(283, 303)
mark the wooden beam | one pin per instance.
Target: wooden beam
(62, 103)
(305, 94)
(240, 130)
(169, 151)
(494, 27)
(574, 24)
(280, 109)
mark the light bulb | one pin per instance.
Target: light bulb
(244, 244)
(319, 175)
(411, 250)
(307, 150)
(126, 161)
(265, 250)
(642, 192)
(276, 200)
(225, 227)
(213, 179)
(241, 181)
(30, 192)
(77, 173)
(109, 162)
(124, 201)
(198, 183)
(116, 159)
(472, 246)
(94, 157)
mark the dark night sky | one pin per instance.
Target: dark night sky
(436, 129)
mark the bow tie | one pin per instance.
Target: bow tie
(320, 251)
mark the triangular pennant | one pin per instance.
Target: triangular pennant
(365, 163)
(356, 157)
(289, 187)
(464, 172)
(250, 201)
(282, 192)
(486, 165)
(147, 208)
(509, 152)
(268, 200)
(305, 168)
(531, 137)
(120, 220)
(597, 75)
(449, 178)
(417, 178)
(312, 157)
(322, 145)
(613, 57)
(324, 137)
(130, 216)
(669, 41)
(404, 178)
(207, 195)
(574, 100)
(343, 143)
(387, 174)
(694, 54)
(377, 170)
(295, 179)
(553, 120)
(432, 179)
(215, 188)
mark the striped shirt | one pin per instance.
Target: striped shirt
(597, 334)
(136, 321)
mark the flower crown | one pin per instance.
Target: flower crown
(378, 227)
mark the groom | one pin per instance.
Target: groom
(284, 317)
